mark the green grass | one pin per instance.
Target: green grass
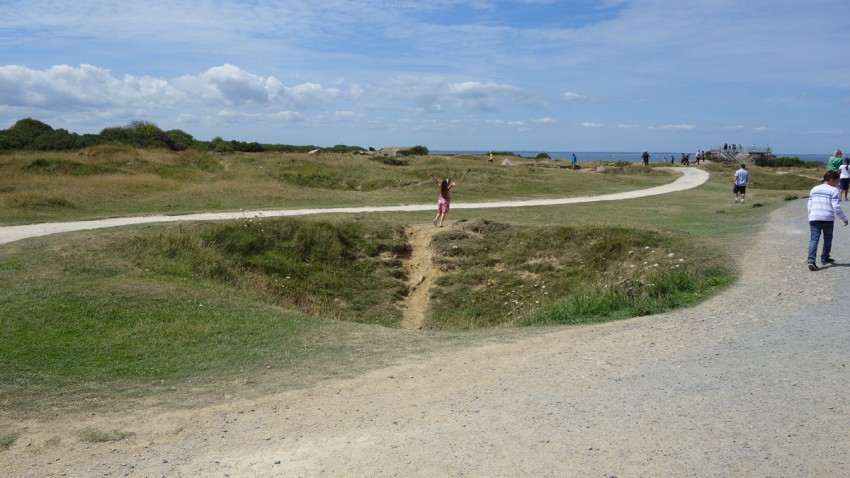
(7, 439)
(109, 181)
(347, 270)
(181, 313)
(497, 274)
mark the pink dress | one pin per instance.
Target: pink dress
(443, 203)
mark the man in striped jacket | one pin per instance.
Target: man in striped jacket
(824, 205)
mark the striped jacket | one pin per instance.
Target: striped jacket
(825, 204)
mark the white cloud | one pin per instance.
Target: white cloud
(571, 97)
(674, 127)
(435, 94)
(91, 87)
(588, 124)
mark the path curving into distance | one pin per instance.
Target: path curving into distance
(691, 178)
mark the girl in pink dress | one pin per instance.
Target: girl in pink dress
(444, 200)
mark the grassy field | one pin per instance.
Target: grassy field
(120, 181)
(186, 313)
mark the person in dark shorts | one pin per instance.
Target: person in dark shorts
(844, 179)
(742, 177)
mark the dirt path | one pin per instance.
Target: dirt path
(420, 275)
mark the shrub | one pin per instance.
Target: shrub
(415, 151)
(543, 156)
(795, 162)
(390, 161)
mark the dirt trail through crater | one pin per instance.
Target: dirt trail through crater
(421, 274)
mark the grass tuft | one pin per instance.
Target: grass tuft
(91, 435)
(7, 439)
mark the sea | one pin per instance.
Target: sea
(656, 156)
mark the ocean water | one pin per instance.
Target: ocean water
(655, 157)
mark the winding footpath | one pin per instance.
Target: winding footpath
(753, 382)
(691, 178)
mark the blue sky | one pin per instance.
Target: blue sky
(540, 75)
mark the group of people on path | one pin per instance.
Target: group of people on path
(823, 206)
(699, 157)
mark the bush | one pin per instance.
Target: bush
(390, 161)
(415, 151)
(795, 162)
(543, 156)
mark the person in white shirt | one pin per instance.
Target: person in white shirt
(844, 179)
(739, 189)
(824, 204)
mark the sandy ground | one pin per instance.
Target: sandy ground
(753, 382)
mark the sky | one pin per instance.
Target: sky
(503, 75)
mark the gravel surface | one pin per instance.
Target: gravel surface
(753, 382)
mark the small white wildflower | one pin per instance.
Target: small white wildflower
(671, 254)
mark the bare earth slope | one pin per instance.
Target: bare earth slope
(753, 382)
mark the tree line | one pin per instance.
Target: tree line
(33, 135)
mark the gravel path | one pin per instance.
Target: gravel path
(753, 382)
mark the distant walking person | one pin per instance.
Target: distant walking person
(739, 188)
(444, 199)
(645, 157)
(844, 179)
(573, 161)
(824, 204)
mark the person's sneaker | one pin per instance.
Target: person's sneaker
(827, 261)
(736, 200)
(813, 266)
(742, 200)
